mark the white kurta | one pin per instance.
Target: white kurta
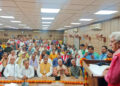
(26, 72)
(11, 70)
(1, 67)
(21, 44)
(79, 56)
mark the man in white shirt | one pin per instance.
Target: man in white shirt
(45, 69)
(26, 71)
(21, 43)
(11, 70)
(78, 57)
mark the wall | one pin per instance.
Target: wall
(57, 35)
(107, 28)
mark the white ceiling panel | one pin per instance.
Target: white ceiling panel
(3, 13)
(74, 7)
(81, 2)
(28, 11)
(53, 1)
(15, 9)
(29, 5)
(105, 2)
(7, 3)
(25, 0)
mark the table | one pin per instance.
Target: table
(45, 81)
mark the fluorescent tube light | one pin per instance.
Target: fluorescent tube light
(9, 17)
(16, 21)
(75, 23)
(47, 10)
(47, 18)
(46, 22)
(105, 12)
(86, 19)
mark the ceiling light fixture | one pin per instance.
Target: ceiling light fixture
(0, 9)
(75, 23)
(9, 17)
(86, 19)
(105, 12)
(46, 22)
(16, 21)
(48, 18)
(47, 10)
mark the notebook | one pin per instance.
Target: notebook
(97, 70)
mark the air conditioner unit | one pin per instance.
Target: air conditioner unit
(96, 26)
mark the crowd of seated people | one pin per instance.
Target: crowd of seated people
(24, 58)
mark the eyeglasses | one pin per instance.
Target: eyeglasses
(113, 41)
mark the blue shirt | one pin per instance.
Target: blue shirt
(103, 56)
(96, 56)
(33, 50)
(69, 64)
(1, 52)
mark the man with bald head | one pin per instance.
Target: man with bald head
(45, 68)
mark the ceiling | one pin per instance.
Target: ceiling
(29, 12)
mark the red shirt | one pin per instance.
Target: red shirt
(57, 42)
(18, 42)
(113, 75)
(48, 47)
(65, 57)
